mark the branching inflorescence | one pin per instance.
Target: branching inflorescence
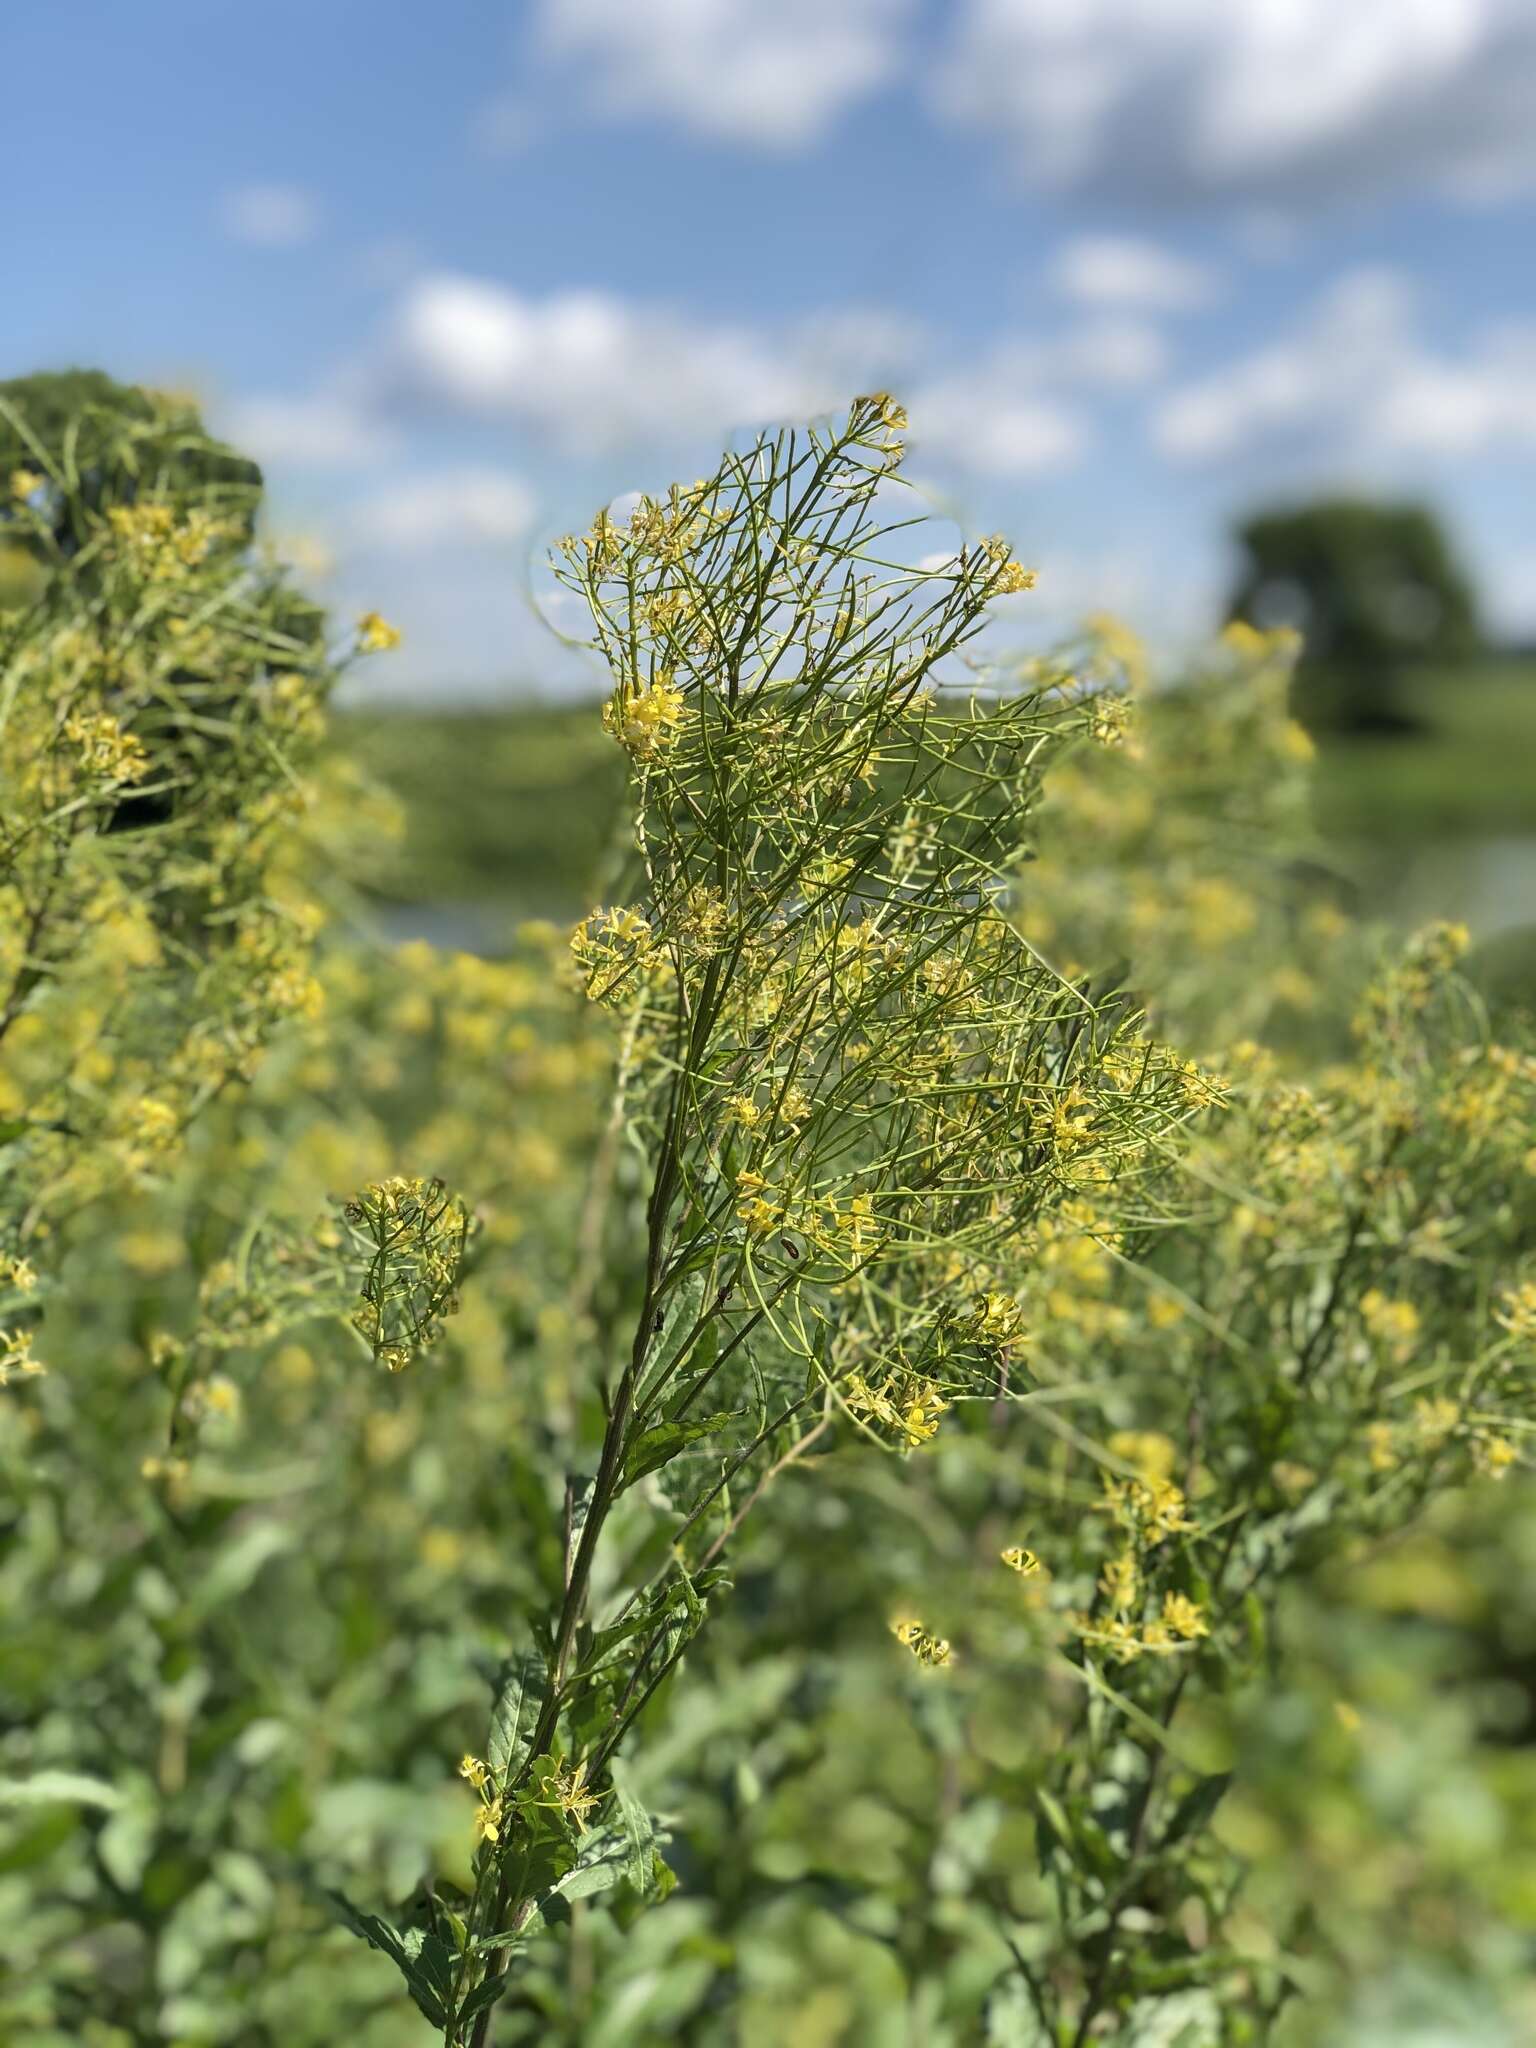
(857, 1089)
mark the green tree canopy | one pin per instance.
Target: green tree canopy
(1370, 585)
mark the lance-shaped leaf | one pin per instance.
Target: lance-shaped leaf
(658, 1446)
(521, 1693)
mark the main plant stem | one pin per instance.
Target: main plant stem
(610, 1468)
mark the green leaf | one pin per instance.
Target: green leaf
(1011, 2019)
(484, 1994)
(658, 1446)
(1196, 1807)
(432, 1961)
(1053, 1829)
(417, 1972)
(639, 1833)
(522, 1691)
(677, 1319)
(62, 1788)
(604, 1860)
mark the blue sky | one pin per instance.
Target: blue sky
(460, 273)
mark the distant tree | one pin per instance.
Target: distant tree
(1372, 587)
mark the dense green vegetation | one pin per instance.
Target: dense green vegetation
(917, 1435)
(518, 806)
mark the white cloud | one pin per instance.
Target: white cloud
(775, 75)
(997, 419)
(322, 430)
(1123, 272)
(1259, 99)
(1119, 354)
(1355, 381)
(592, 371)
(271, 216)
(473, 505)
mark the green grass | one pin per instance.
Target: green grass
(514, 811)
(1470, 772)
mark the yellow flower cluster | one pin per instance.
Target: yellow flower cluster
(105, 750)
(1150, 1508)
(609, 948)
(16, 1359)
(17, 1274)
(161, 543)
(1180, 1623)
(996, 1319)
(1020, 1560)
(376, 635)
(413, 1233)
(930, 1650)
(1391, 1322)
(906, 1404)
(1516, 1312)
(647, 720)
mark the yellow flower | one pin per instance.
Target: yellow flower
(24, 482)
(1111, 1634)
(105, 749)
(1184, 1617)
(909, 1407)
(1119, 1582)
(1494, 1455)
(1394, 1323)
(375, 635)
(1380, 1446)
(753, 1206)
(20, 1274)
(1150, 1508)
(1435, 1419)
(996, 1318)
(1516, 1311)
(1012, 577)
(570, 1792)
(647, 721)
(930, 1650)
(1020, 1560)
(474, 1771)
(743, 1110)
(488, 1821)
(1151, 1452)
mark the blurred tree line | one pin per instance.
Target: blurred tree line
(1374, 588)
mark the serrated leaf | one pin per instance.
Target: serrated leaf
(390, 1942)
(521, 1693)
(603, 1861)
(659, 1445)
(639, 1833)
(678, 1319)
(431, 1959)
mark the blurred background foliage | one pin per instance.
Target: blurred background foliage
(227, 1693)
